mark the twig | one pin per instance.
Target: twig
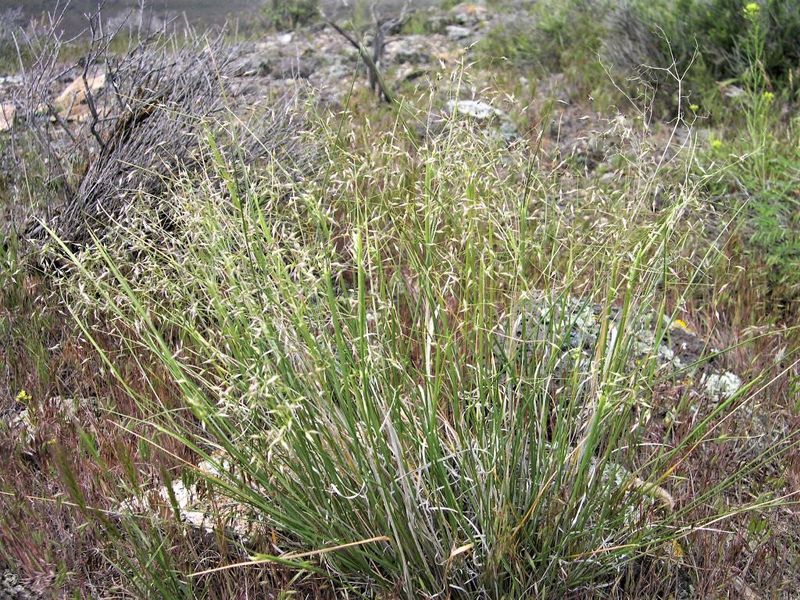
(292, 556)
(375, 75)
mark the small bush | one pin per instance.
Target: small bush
(762, 167)
(720, 29)
(289, 14)
(709, 35)
(758, 183)
(351, 347)
(555, 37)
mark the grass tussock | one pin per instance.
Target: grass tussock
(352, 355)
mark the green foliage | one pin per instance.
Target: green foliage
(290, 14)
(337, 348)
(770, 171)
(765, 172)
(763, 162)
(714, 36)
(419, 23)
(556, 36)
(512, 41)
(721, 28)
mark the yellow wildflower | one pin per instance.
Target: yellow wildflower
(751, 9)
(680, 324)
(768, 97)
(23, 397)
(716, 144)
(694, 107)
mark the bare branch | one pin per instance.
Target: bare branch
(375, 77)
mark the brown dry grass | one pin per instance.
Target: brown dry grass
(57, 546)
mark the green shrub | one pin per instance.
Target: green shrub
(762, 164)
(556, 36)
(720, 28)
(757, 182)
(710, 35)
(707, 40)
(552, 35)
(289, 14)
(420, 23)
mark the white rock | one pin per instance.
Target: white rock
(721, 386)
(457, 32)
(12, 80)
(8, 114)
(473, 108)
(198, 508)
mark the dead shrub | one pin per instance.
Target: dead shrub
(129, 122)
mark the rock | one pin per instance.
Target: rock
(508, 130)
(575, 325)
(76, 92)
(409, 73)
(12, 589)
(278, 57)
(334, 81)
(8, 115)
(11, 80)
(731, 91)
(408, 49)
(23, 426)
(249, 65)
(474, 109)
(608, 177)
(457, 32)
(199, 507)
(721, 386)
(469, 14)
(484, 113)
(291, 68)
(24, 419)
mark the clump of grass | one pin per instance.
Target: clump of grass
(290, 15)
(339, 345)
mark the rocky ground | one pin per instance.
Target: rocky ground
(435, 68)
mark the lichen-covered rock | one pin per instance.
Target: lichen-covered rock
(721, 386)
(457, 32)
(565, 330)
(411, 49)
(469, 14)
(12, 589)
(483, 112)
(198, 507)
